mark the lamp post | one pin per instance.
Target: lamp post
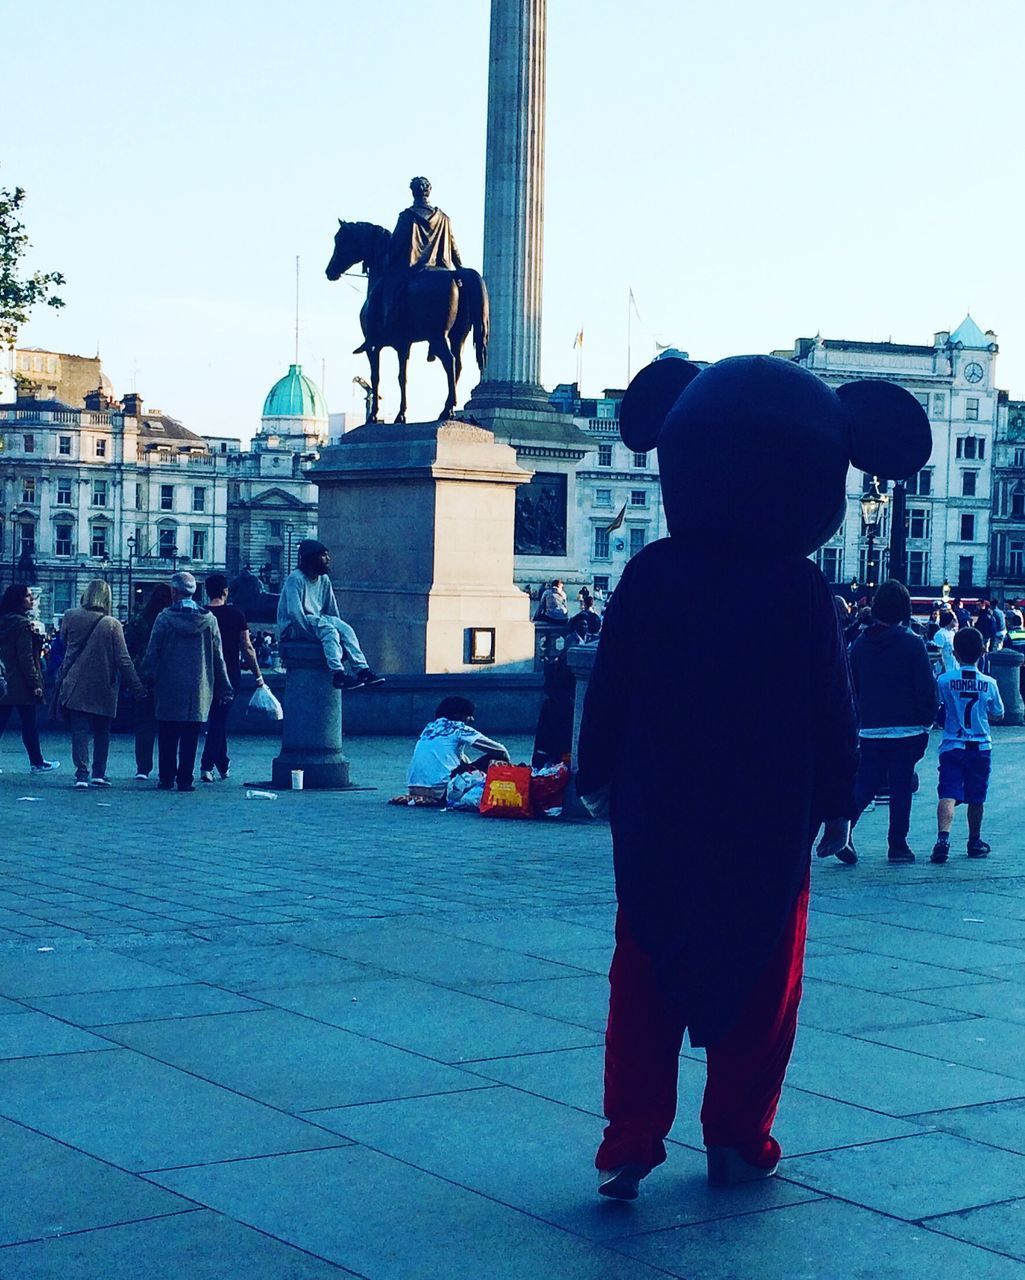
(289, 529)
(873, 503)
(131, 558)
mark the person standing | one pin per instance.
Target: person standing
(20, 649)
(185, 665)
(896, 700)
(137, 634)
(944, 640)
(236, 645)
(95, 662)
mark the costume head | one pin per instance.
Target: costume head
(754, 451)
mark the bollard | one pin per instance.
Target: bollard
(1005, 668)
(580, 660)
(311, 733)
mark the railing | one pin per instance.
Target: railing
(604, 426)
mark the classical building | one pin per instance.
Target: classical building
(949, 502)
(272, 502)
(57, 375)
(1007, 551)
(108, 490)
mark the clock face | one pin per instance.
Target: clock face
(973, 372)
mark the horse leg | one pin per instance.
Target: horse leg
(403, 354)
(444, 353)
(374, 356)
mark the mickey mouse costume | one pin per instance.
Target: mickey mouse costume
(718, 760)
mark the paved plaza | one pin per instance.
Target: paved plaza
(317, 1036)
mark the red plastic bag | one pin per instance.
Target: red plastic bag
(547, 786)
(507, 791)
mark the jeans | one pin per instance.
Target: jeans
(342, 651)
(888, 764)
(85, 725)
(215, 748)
(177, 741)
(29, 728)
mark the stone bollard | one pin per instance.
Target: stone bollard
(580, 660)
(1005, 668)
(311, 733)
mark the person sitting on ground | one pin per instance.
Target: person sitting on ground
(307, 610)
(554, 606)
(20, 649)
(969, 699)
(449, 745)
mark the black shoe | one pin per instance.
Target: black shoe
(900, 853)
(368, 678)
(940, 851)
(342, 681)
(621, 1183)
(978, 849)
(848, 855)
(188, 787)
(165, 786)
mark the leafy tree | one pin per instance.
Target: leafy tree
(18, 295)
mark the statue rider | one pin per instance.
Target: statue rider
(422, 241)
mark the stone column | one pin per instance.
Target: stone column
(311, 733)
(514, 206)
(1005, 668)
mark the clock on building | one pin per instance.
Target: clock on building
(973, 372)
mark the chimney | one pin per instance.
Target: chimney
(96, 401)
(132, 405)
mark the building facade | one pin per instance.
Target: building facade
(109, 490)
(1007, 548)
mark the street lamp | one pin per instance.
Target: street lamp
(289, 529)
(873, 504)
(131, 557)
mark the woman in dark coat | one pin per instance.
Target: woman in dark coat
(20, 651)
(137, 634)
(717, 760)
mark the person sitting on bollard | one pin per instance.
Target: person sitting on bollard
(449, 745)
(307, 610)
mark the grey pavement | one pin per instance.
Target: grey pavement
(318, 1036)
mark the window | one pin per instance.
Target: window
(605, 455)
(199, 499)
(603, 497)
(920, 484)
(638, 497)
(101, 448)
(830, 560)
(64, 595)
(63, 544)
(1018, 458)
(971, 408)
(27, 529)
(138, 497)
(275, 527)
(918, 568)
(971, 447)
(64, 492)
(1016, 559)
(99, 541)
(965, 570)
(64, 446)
(29, 443)
(939, 403)
(640, 460)
(28, 489)
(968, 528)
(199, 544)
(167, 497)
(1018, 501)
(968, 481)
(601, 582)
(918, 522)
(168, 543)
(601, 544)
(923, 399)
(638, 537)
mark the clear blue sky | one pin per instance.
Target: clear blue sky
(756, 173)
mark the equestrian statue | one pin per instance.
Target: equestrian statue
(418, 291)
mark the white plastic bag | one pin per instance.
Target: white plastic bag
(465, 791)
(264, 706)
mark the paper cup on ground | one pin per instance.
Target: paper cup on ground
(297, 779)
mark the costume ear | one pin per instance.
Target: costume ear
(648, 399)
(890, 436)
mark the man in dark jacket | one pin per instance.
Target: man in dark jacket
(896, 699)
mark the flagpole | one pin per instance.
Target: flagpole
(629, 334)
(580, 364)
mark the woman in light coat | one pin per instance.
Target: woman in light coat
(95, 662)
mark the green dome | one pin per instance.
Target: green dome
(295, 396)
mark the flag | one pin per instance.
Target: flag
(578, 341)
(611, 528)
(662, 346)
(633, 303)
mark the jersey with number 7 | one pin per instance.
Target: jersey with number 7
(969, 699)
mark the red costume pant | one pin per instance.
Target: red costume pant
(745, 1068)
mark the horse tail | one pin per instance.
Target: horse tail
(475, 298)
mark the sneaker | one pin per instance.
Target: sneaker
(368, 678)
(100, 782)
(206, 775)
(47, 766)
(621, 1183)
(728, 1168)
(848, 855)
(81, 784)
(940, 851)
(165, 786)
(978, 849)
(224, 773)
(341, 680)
(900, 853)
(142, 777)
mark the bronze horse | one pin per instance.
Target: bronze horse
(435, 306)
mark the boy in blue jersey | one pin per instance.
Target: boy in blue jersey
(969, 698)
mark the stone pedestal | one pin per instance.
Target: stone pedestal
(419, 520)
(1005, 668)
(311, 733)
